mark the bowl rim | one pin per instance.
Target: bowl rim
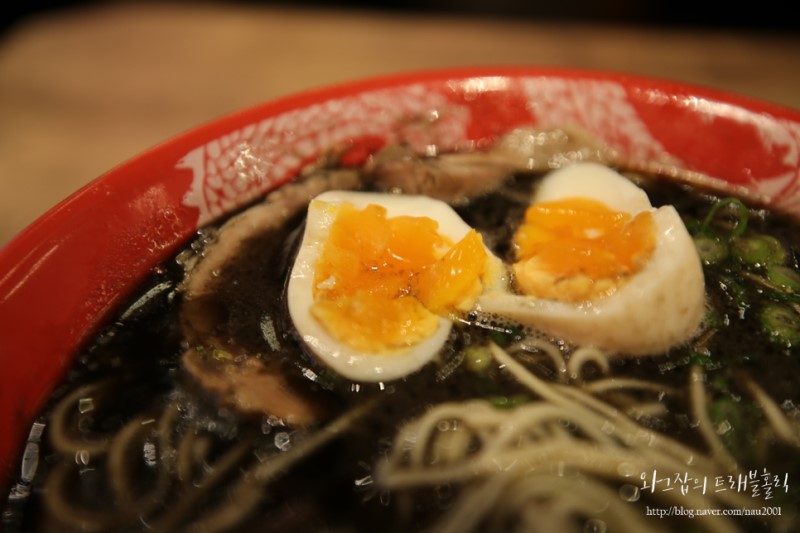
(333, 90)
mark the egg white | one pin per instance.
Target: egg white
(659, 307)
(353, 364)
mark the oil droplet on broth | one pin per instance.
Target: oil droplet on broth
(629, 493)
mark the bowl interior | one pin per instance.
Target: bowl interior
(65, 274)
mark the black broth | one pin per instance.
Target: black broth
(332, 489)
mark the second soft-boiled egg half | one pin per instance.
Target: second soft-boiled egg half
(597, 265)
(377, 277)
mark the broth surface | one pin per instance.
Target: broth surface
(168, 454)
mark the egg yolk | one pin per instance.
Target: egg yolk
(381, 283)
(578, 249)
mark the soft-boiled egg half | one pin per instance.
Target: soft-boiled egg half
(597, 265)
(377, 278)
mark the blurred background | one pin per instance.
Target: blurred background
(770, 14)
(87, 85)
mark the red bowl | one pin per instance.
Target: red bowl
(65, 274)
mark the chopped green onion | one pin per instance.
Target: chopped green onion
(759, 250)
(781, 324)
(506, 336)
(711, 250)
(741, 221)
(781, 296)
(725, 409)
(507, 402)
(734, 290)
(785, 277)
(700, 359)
(477, 358)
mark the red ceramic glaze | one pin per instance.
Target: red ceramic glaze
(66, 273)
